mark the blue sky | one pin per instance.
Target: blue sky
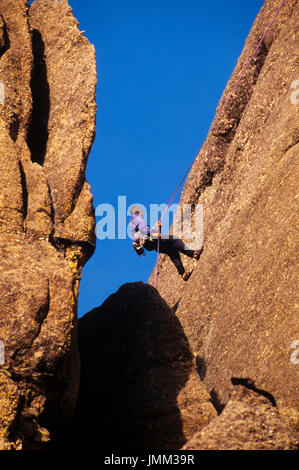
(162, 68)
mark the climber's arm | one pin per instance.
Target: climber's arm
(157, 234)
(138, 247)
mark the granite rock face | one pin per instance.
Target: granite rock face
(47, 125)
(155, 365)
(138, 377)
(239, 308)
(248, 422)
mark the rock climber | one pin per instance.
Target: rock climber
(144, 239)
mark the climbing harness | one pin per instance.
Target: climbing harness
(159, 224)
(138, 246)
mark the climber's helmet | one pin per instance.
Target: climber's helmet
(136, 210)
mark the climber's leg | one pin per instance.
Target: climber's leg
(172, 247)
(180, 246)
(176, 259)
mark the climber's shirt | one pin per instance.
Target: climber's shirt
(138, 227)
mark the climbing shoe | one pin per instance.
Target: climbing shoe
(185, 276)
(197, 253)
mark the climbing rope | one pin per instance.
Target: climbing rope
(219, 114)
(158, 253)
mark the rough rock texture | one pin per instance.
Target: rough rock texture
(248, 422)
(238, 309)
(139, 385)
(46, 216)
(144, 352)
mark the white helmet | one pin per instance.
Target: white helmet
(135, 209)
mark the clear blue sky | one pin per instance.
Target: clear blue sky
(162, 68)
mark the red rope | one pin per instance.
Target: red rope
(158, 253)
(174, 194)
(226, 102)
(251, 58)
(220, 113)
(157, 263)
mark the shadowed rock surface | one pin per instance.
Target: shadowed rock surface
(138, 378)
(46, 215)
(248, 422)
(239, 308)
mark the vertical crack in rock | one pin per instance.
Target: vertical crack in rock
(69, 57)
(14, 127)
(38, 131)
(4, 39)
(24, 189)
(218, 405)
(249, 383)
